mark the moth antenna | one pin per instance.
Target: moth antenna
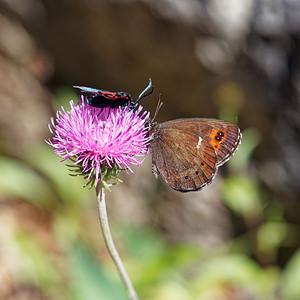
(142, 94)
(159, 105)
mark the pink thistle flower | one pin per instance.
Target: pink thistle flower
(99, 139)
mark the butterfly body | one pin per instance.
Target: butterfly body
(188, 152)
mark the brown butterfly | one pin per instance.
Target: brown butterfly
(188, 152)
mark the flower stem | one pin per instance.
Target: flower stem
(110, 243)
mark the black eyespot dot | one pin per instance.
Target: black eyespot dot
(202, 164)
(186, 177)
(218, 138)
(197, 172)
(220, 133)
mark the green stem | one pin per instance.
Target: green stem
(110, 243)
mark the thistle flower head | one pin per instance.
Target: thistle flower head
(100, 141)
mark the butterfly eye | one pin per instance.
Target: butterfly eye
(186, 177)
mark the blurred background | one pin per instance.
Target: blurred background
(236, 60)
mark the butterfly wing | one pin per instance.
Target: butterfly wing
(187, 152)
(224, 136)
(184, 165)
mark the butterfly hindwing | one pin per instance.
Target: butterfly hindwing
(178, 157)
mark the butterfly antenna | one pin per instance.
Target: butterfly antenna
(142, 94)
(159, 105)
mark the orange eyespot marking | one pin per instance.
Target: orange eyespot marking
(217, 137)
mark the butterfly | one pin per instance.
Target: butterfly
(188, 152)
(102, 98)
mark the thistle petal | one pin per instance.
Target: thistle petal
(96, 137)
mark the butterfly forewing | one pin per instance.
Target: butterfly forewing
(225, 137)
